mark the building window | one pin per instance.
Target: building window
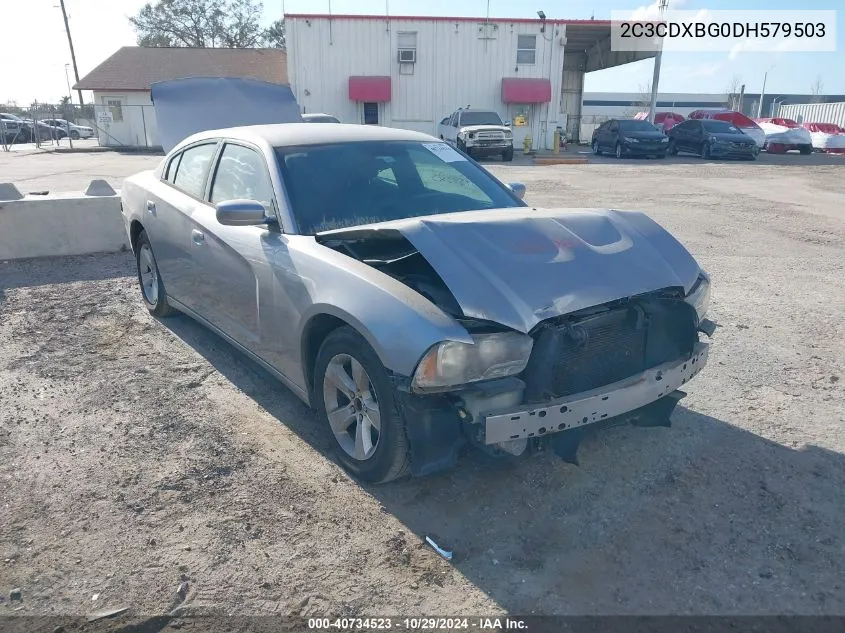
(526, 49)
(115, 106)
(407, 41)
(370, 114)
(521, 116)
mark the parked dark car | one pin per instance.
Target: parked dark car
(710, 138)
(629, 137)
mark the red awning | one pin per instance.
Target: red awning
(369, 88)
(520, 90)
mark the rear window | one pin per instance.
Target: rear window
(718, 127)
(637, 126)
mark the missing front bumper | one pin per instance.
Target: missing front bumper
(593, 406)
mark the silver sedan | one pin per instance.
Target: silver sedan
(412, 299)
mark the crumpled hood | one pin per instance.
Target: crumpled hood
(484, 128)
(519, 266)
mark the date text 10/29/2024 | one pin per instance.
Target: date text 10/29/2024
(417, 624)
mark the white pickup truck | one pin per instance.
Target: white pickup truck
(477, 133)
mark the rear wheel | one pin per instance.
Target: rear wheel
(152, 288)
(805, 149)
(74, 135)
(596, 149)
(354, 396)
(672, 149)
(507, 155)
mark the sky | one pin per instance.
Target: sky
(34, 58)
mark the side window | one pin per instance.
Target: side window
(193, 168)
(242, 175)
(455, 119)
(172, 167)
(442, 177)
(526, 49)
(613, 127)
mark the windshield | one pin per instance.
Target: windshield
(637, 126)
(320, 118)
(722, 127)
(480, 118)
(339, 185)
(11, 117)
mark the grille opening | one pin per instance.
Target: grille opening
(577, 354)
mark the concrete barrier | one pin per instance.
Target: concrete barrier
(61, 224)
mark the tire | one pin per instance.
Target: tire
(74, 135)
(705, 151)
(507, 155)
(618, 151)
(596, 149)
(149, 279)
(805, 149)
(374, 457)
(671, 148)
(461, 146)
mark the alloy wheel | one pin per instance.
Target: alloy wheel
(148, 273)
(352, 407)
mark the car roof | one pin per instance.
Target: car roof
(288, 134)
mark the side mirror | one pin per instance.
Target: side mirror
(518, 188)
(241, 213)
(507, 123)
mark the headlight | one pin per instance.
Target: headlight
(699, 296)
(451, 363)
(508, 134)
(664, 140)
(628, 139)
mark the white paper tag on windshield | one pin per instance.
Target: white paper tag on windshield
(443, 152)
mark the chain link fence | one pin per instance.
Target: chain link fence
(110, 124)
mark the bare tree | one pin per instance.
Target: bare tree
(732, 94)
(643, 101)
(817, 90)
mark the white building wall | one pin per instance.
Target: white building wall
(814, 113)
(455, 67)
(137, 124)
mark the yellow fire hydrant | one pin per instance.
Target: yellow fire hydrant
(526, 145)
(556, 142)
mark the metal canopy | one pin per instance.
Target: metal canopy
(592, 39)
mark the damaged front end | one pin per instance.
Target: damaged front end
(530, 383)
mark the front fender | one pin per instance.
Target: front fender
(399, 323)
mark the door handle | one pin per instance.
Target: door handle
(151, 207)
(197, 237)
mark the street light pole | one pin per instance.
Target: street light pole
(763, 93)
(67, 79)
(655, 79)
(70, 43)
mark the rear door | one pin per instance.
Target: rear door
(169, 207)
(610, 135)
(232, 260)
(695, 137)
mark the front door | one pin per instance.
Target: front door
(230, 260)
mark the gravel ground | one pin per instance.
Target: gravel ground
(138, 454)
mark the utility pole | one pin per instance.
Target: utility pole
(658, 56)
(72, 54)
(762, 94)
(741, 105)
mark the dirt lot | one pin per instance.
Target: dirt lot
(136, 454)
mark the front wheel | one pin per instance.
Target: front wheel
(74, 135)
(354, 396)
(507, 155)
(152, 287)
(461, 146)
(618, 151)
(596, 149)
(805, 149)
(705, 151)
(672, 148)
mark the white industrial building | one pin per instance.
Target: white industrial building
(412, 71)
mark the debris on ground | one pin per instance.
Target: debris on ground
(445, 553)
